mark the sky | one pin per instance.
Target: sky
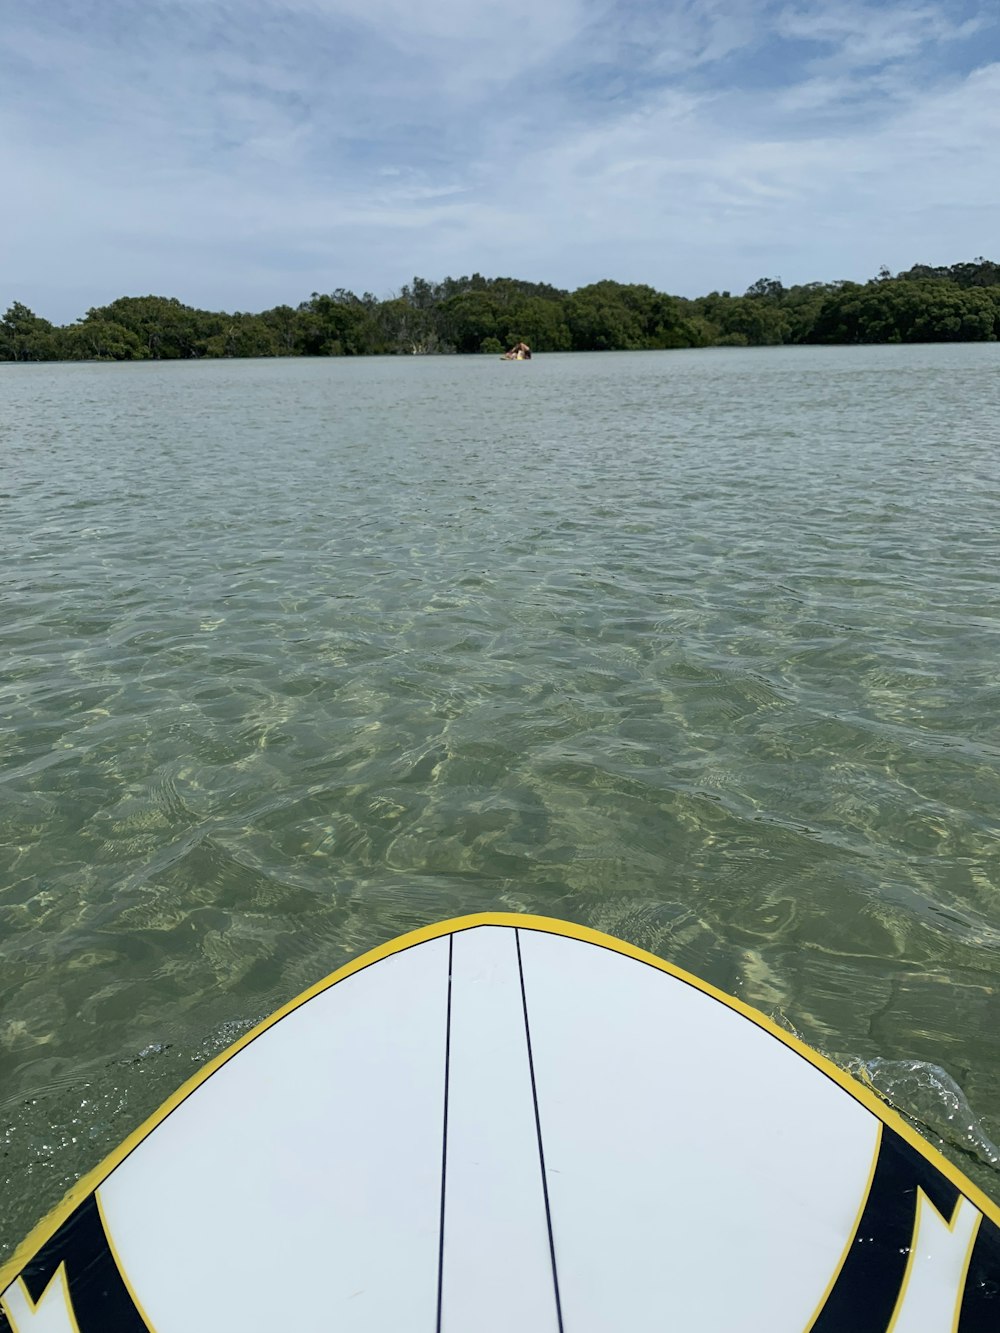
(243, 155)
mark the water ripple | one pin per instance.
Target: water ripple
(697, 648)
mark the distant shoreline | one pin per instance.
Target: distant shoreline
(960, 303)
(474, 356)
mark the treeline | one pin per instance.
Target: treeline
(960, 303)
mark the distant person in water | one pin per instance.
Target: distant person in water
(519, 352)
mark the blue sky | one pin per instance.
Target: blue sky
(242, 155)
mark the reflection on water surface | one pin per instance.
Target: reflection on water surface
(697, 648)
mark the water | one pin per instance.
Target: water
(699, 648)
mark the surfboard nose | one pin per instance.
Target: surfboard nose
(506, 1122)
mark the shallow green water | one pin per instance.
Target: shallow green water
(702, 649)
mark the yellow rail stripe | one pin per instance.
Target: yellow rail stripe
(47, 1228)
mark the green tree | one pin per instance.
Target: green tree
(766, 289)
(337, 324)
(167, 329)
(801, 306)
(244, 336)
(599, 319)
(404, 329)
(25, 336)
(538, 321)
(761, 322)
(468, 318)
(283, 322)
(470, 313)
(100, 340)
(907, 309)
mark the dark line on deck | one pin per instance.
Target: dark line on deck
(538, 1130)
(444, 1137)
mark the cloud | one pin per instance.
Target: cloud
(857, 36)
(242, 155)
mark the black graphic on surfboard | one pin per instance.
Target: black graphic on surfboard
(96, 1293)
(507, 1095)
(873, 1281)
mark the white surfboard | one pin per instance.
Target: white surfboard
(506, 1124)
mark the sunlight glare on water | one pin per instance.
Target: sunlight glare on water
(698, 648)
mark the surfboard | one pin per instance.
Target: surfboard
(505, 1122)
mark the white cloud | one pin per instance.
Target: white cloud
(247, 156)
(865, 36)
